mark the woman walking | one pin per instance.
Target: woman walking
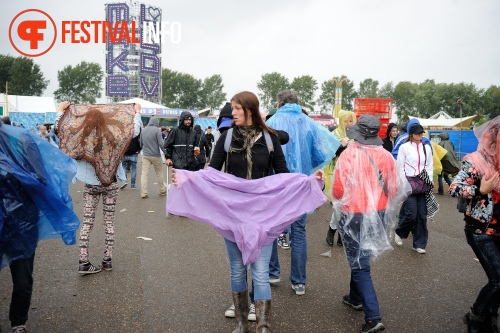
(415, 158)
(478, 183)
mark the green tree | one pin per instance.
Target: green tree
(180, 90)
(326, 100)
(211, 92)
(386, 91)
(492, 101)
(79, 84)
(305, 86)
(269, 85)
(404, 100)
(368, 88)
(24, 76)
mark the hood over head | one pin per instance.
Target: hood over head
(444, 136)
(389, 129)
(153, 121)
(185, 115)
(225, 113)
(412, 122)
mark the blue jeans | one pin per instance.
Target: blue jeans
(298, 243)
(487, 250)
(132, 160)
(299, 250)
(22, 281)
(413, 218)
(260, 271)
(274, 263)
(361, 286)
(440, 181)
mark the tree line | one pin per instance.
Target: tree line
(82, 84)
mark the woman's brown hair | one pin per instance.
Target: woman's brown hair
(250, 103)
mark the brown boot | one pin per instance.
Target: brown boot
(240, 301)
(263, 311)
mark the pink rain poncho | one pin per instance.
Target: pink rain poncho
(251, 213)
(360, 200)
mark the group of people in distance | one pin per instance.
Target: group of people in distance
(365, 178)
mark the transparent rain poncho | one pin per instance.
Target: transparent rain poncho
(311, 146)
(365, 212)
(34, 189)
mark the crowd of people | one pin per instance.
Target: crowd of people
(301, 163)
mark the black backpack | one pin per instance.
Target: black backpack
(134, 146)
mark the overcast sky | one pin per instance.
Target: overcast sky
(450, 41)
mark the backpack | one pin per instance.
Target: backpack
(135, 145)
(269, 144)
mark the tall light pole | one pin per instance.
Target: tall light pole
(459, 102)
(338, 96)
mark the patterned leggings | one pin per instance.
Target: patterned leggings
(91, 196)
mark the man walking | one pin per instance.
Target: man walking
(310, 148)
(180, 144)
(152, 146)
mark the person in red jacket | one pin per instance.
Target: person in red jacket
(365, 195)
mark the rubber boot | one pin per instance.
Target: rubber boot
(263, 312)
(493, 322)
(330, 235)
(339, 240)
(475, 324)
(240, 301)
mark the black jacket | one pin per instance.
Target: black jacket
(237, 165)
(180, 143)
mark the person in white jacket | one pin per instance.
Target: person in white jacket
(414, 157)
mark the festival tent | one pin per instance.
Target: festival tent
(28, 110)
(149, 109)
(445, 122)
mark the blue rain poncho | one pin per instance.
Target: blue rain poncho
(311, 146)
(34, 191)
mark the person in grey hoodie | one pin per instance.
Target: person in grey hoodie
(151, 143)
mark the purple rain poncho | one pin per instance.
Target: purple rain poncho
(34, 190)
(251, 213)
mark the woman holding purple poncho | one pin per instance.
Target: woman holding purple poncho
(248, 233)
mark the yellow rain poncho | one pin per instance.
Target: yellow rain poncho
(340, 133)
(439, 153)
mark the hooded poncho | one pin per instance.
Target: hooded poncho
(251, 213)
(311, 147)
(36, 205)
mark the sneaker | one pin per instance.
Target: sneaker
(282, 242)
(87, 268)
(19, 329)
(252, 316)
(419, 250)
(372, 326)
(347, 301)
(300, 289)
(106, 265)
(274, 280)
(230, 312)
(398, 239)
(123, 186)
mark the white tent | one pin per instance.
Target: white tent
(444, 122)
(31, 104)
(149, 109)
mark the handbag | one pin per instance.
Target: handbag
(418, 185)
(421, 183)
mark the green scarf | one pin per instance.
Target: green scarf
(248, 133)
